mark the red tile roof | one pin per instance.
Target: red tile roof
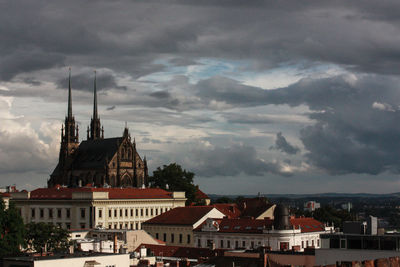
(307, 224)
(181, 252)
(181, 216)
(200, 194)
(231, 210)
(113, 193)
(254, 207)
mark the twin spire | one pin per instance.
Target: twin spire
(96, 131)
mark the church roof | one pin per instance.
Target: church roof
(93, 154)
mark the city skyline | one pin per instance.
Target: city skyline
(268, 97)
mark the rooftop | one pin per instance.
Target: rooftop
(59, 192)
(181, 216)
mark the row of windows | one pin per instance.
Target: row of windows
(144, 212)
(51, 214)
(172, 238)
(307, 244)
(243, 244)
(131, 226)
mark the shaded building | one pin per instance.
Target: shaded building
(99, 161)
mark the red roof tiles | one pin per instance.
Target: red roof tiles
(229, 209)
(200, 194)
(307, 224)
(181, 216)
(113, 193)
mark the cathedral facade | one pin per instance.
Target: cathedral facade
(99, 161)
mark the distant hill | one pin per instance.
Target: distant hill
(320, 195)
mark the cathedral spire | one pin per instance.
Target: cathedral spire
(69, 96)
(95, 115)
(96, 131)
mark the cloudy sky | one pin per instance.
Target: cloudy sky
(252, 96)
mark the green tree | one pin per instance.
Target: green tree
(44, 237)
(12, 230)
(176, 178)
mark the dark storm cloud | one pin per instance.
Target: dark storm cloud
(231, 161)
(85, 82)
(129, 35)
(356, 129)
(283, 145)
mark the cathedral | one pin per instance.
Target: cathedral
(99, 161)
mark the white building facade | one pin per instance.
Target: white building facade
(250, 233)
(82, 208)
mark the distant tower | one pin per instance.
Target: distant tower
(96, 131)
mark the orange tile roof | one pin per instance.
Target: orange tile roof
(231, 210)
(181, 216)
(200, 194)
(307, 224)
(113, 193)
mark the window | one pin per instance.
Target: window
(137, 226)
(236, 244)
(109, 226)
(126, 226)
(228, 245)
(317, 242)
(307, 243)
(126, 212)
(252, 244)
(58, 213)
(141, 212)
(199, 243)
(165, 237)
(172, 238)
(120, 226)
(68, 226)
(244, 244)
(100, 213)
(147, 212)
(120, 213)
(109, 213)
(151, 212)
(83, 214)
(222, 244)
(33, 213)
(302, 244)
(41, 213)
(180, 238)
(156, 235)
(156, 212)
(68, 213)
(312, 242)
(115, 213)
(83, 226)
(50, 213)
(188, 239)
(137, 212)
(131, 212)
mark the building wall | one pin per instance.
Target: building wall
(331, 256)
(91, 213)
(179, 235)
(254, 240)
(173, 235)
